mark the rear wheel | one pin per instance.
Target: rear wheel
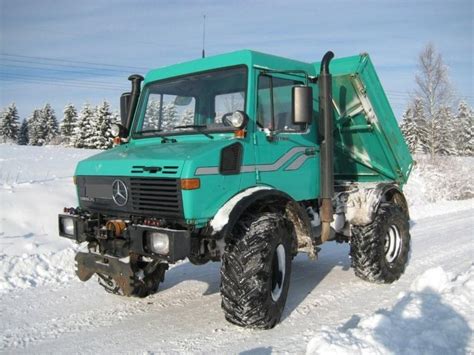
(380, 249)
(255, 272)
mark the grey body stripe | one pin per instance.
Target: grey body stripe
(298, 162)
(263, 167)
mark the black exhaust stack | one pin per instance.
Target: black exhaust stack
(326, 125)
(136, 80)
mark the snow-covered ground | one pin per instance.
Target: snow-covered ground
(45, 309)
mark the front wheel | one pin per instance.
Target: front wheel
(255, 272)
(380, 249)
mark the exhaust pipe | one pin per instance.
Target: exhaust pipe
(136, 80)
(326, 124)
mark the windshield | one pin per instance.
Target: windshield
(192, 103)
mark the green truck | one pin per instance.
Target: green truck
(247, 159)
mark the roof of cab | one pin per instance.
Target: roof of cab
(243, 57)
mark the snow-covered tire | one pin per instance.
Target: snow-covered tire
(380, 249)
(255, 271)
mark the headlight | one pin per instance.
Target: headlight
(115, 130)
(237, 119)
(158, 242)
(68, 226)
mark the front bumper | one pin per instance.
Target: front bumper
(135, 239)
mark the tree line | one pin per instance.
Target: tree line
(90, 128)
(430, 123)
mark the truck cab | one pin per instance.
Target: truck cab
(242, 154)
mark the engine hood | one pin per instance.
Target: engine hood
(150, 157)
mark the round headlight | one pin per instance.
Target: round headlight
(115, 130)
(237, 119)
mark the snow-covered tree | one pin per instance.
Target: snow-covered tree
(152, 115)
(409, 131)
(465, 119)
(170, 117)
(187, 118)
(36, 129)
(23, 138)
(68, 123)
(443, 138)
(50, 122)
(422, 133)
(101, 136)
(83, 130)
(9, 125)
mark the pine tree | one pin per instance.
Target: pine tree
(36, 129)
(50, 122)
(152, 120)
(187, 117)
(9, 125)
(170, 116)
(409, 131)
(68, 124)
(465, 141)
(83, 130)
(422, 133)
(23, 138)
(101, 136)
(443, 132)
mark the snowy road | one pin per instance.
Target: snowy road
(185, 316)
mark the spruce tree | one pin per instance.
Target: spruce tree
(465, 139)
(422, 128)
(409, 131)
(443, 132)
(187, 117)
(9, 125)
(36, 129)
(101, 136)
(48, 118)
(83, 131)
(170, 115)
(23, 138)
(68, 123)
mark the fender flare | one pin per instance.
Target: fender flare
(260, 199)
(363, 205)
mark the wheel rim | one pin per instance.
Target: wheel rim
(393, 244)
(278, 271)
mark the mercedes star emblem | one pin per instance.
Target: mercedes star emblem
(119, 193)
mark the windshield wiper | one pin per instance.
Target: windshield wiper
(149, 131)
(198, 127)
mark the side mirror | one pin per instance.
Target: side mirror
(302, 100)
(125, 101)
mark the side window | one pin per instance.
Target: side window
(277, 92)
(163, 112)
(230, 102)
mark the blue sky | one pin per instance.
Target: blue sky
(82, 51)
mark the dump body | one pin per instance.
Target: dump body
(369, 144)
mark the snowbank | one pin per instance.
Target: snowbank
(35, 184)
(431, 318)
(442, 179)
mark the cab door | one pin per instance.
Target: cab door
(287, 155)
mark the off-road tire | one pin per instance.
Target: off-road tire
(253, 288)
(374, 257)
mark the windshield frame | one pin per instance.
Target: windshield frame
(141, 107)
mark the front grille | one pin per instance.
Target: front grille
(156, 196)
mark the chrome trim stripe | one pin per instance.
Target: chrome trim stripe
(264, 167)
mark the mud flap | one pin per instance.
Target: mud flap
(88, 264)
